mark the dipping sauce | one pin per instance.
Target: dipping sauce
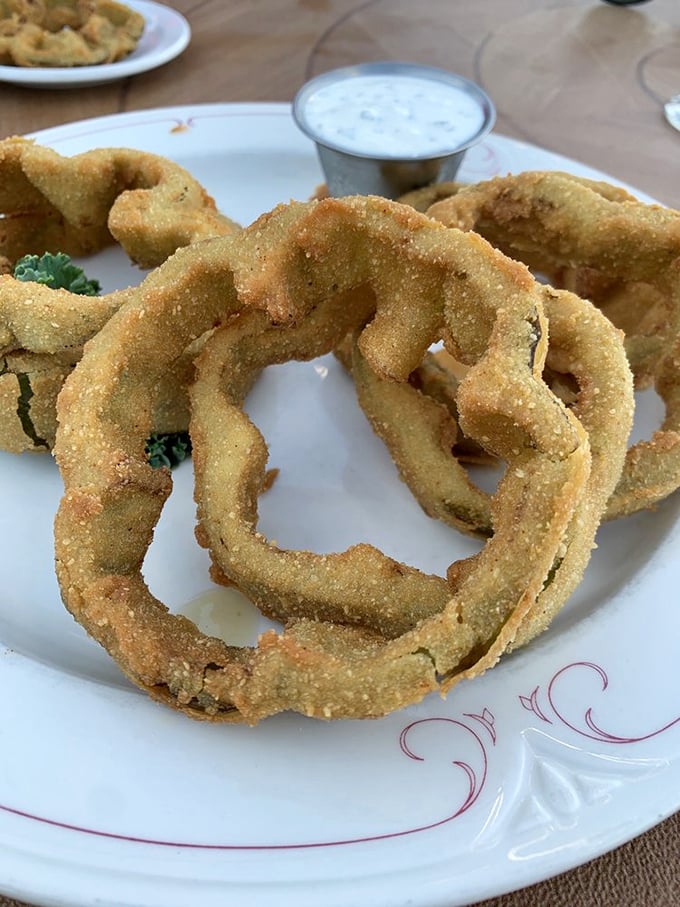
(395, 116)
(388, 127)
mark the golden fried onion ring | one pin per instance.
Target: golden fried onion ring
(423, 198)
(146, 203)
(425, 279)
(420, 425)
(417, 430)
(555, 222)
(361, 586)
(79, 205)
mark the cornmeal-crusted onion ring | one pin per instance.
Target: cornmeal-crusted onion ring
(585, 349)
(360, 586)
(79, 205)
(598, 237)
(146, 203)
(426, 279)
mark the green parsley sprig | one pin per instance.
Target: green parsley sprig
(56, 271)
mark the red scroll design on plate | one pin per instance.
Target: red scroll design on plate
(474, 769)
(476, 775)
(482, 162)
(587, 726)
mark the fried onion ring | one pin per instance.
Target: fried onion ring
(417, 430)
(426, 280)
(558, 223)
(361, 586)
(148, 204)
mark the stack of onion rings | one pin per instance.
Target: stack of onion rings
(317, 272)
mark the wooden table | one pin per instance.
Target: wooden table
(579, 77)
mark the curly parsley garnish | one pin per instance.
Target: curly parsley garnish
(56, 271)
(168, 449)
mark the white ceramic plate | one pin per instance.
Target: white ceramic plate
(565, 750)
(166, 35)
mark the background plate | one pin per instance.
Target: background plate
(166, 35)
(564, 750)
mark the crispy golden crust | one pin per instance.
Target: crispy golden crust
(587, 236)
(30, 385)
(79, 205)
(427, 281)
(623, 254)
(586, 347)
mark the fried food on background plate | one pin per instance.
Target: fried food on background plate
(66, 33)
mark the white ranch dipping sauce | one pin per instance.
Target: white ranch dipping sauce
(393, 116)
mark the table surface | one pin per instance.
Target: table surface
(579, 77)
